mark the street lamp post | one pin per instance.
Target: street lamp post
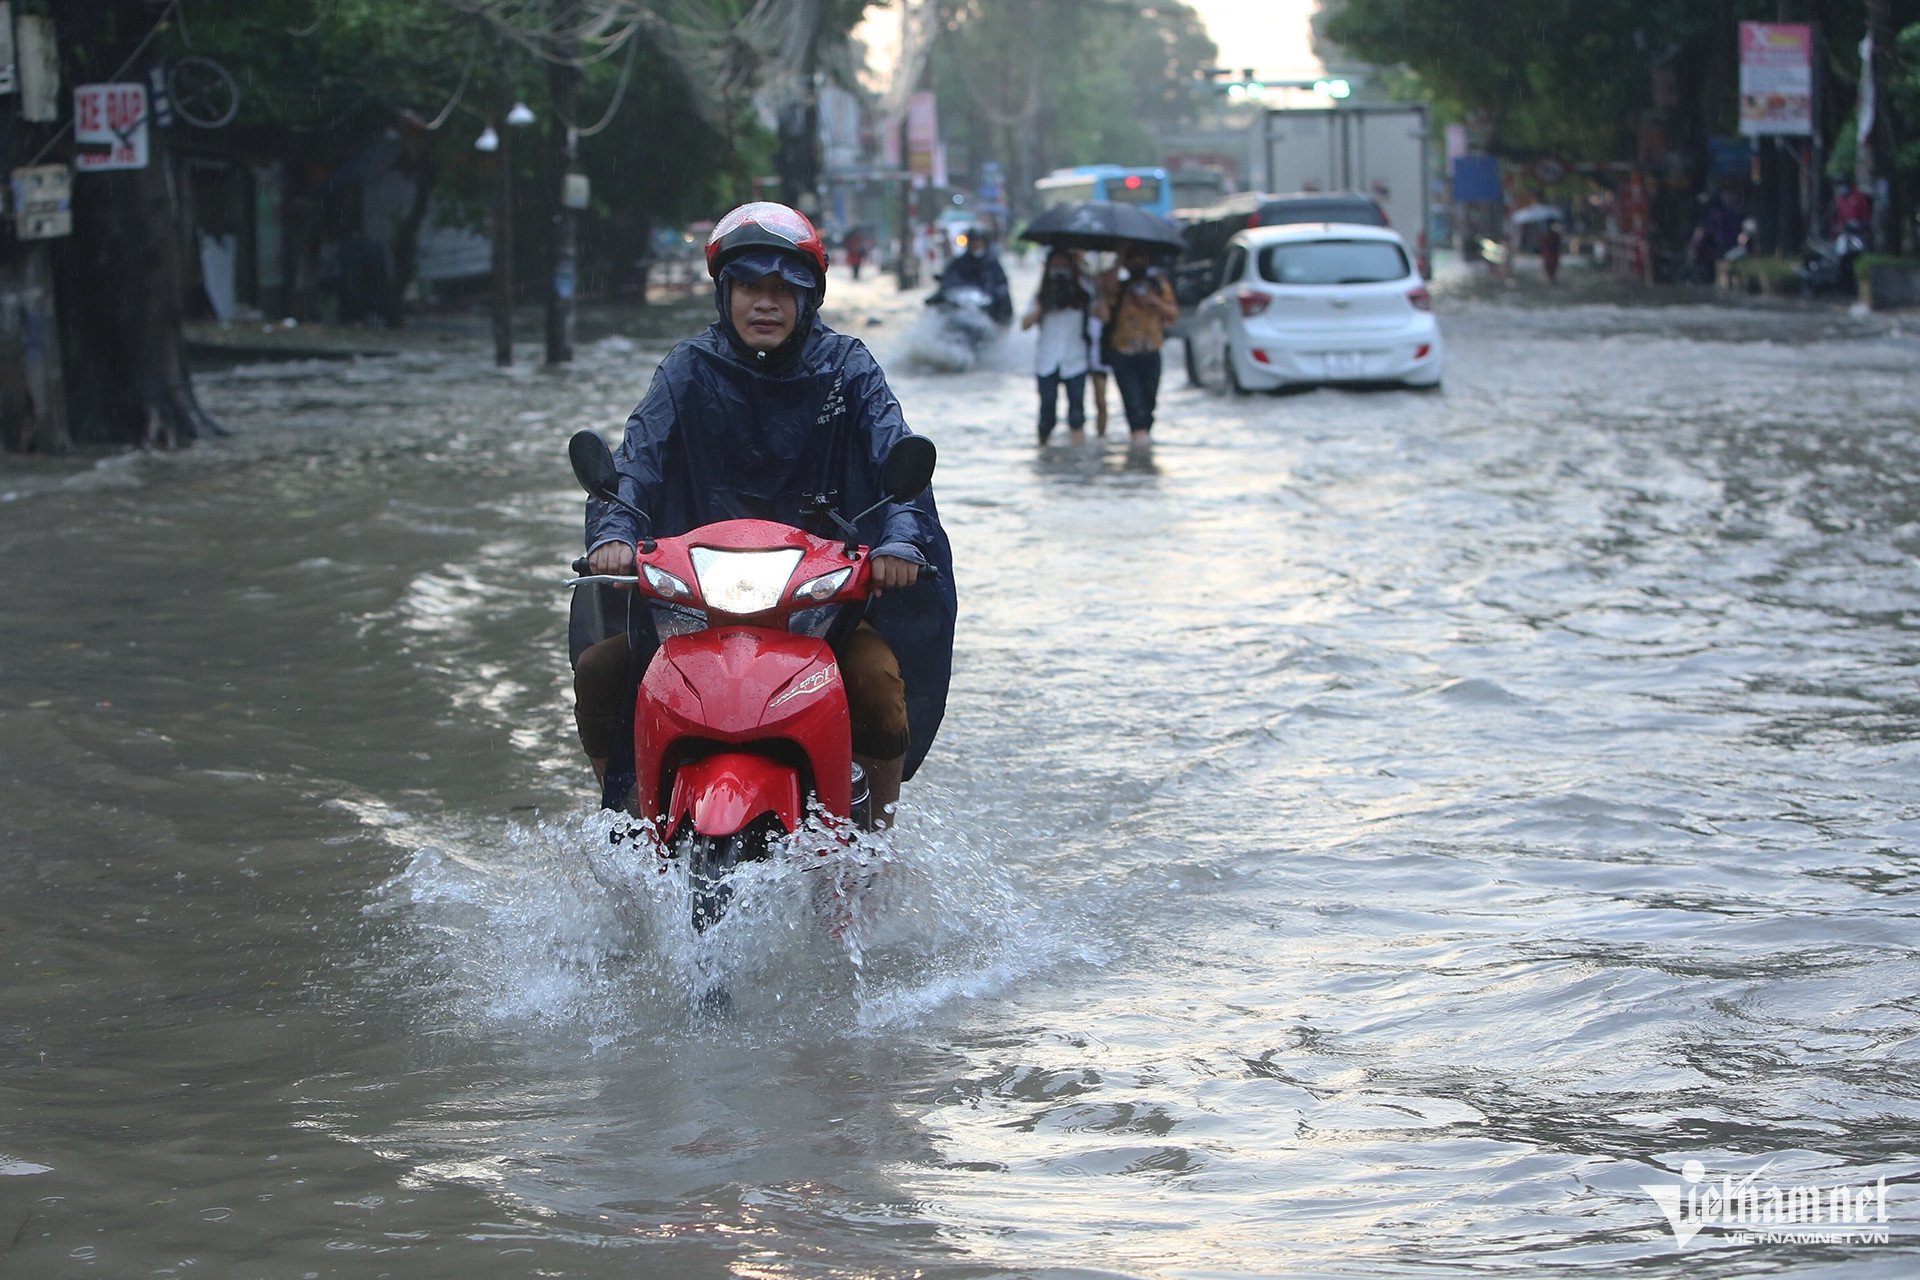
(499, 143)
(563, 146)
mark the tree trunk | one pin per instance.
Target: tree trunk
(1878, 147)
(120, 276)
(121, 310)
(33, 400)
(501, 293)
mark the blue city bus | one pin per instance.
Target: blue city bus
(1146, 187)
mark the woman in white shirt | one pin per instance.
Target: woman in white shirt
(1060, 351)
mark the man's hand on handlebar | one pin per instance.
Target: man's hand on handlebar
(892, 571)
(614, 558)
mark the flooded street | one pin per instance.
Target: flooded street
(1372, 833)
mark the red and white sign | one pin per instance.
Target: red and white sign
(923, 133)
(113, 116)
(1776, 79)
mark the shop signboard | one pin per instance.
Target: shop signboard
(110, 126)
(1776, 79)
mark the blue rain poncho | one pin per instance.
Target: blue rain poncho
(723, 434)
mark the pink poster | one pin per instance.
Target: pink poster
(923, 133)
(1776, 78)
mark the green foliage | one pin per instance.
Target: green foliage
(1579, 76)
(1905, 91)
(334, 66)
(338, 72)
(657, 160)
(1542, 74)
(1041, 83)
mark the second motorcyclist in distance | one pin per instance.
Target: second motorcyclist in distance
(761, 416)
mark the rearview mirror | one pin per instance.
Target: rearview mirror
(593, 465)
(908, 469)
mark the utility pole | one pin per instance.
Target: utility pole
(1789, 182)
(33, 396)
(563, 146)
(502, 291)
(1876, 147)
(906, 264)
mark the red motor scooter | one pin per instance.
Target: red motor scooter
(740, 722)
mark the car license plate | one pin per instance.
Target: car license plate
(1343, 364)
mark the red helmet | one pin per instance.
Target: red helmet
(767, 225)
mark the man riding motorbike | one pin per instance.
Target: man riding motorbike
(769, 414)
(979, 268)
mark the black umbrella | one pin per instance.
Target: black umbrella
(1101, 224)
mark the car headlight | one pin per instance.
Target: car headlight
(666, 584)
(822, 587)
(744, 582)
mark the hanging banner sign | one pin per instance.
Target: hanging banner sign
(923, 132)
(1776, 79)
(113, 116)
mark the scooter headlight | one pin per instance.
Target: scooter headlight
(822, 587)
(666, 584)
(744, 582)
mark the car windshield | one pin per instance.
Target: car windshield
(1334, 262)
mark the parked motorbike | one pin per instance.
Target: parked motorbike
(1827, 266)
(740, 721)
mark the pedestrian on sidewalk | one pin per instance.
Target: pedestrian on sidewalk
(1060, 350)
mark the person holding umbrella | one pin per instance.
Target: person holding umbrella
(1143, 303)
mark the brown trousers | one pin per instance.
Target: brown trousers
(876, 696)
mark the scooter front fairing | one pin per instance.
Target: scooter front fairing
(733, 692)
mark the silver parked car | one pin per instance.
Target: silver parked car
(1326, 302)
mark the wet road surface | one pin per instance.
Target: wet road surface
(1372, 833)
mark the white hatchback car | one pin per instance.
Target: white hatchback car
(1315, 303)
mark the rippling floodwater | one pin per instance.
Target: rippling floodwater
(1373, 833)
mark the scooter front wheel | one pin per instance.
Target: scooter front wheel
(711, 861)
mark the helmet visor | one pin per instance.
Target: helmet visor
(769, 216)
(762, 263)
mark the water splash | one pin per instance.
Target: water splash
(584, 922)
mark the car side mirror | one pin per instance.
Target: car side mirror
(908, 469)
(593, 465)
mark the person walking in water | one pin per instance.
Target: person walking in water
(1142, 310)
(1060, 351)
(1101, 286)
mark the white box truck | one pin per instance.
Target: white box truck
(1376, 149)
